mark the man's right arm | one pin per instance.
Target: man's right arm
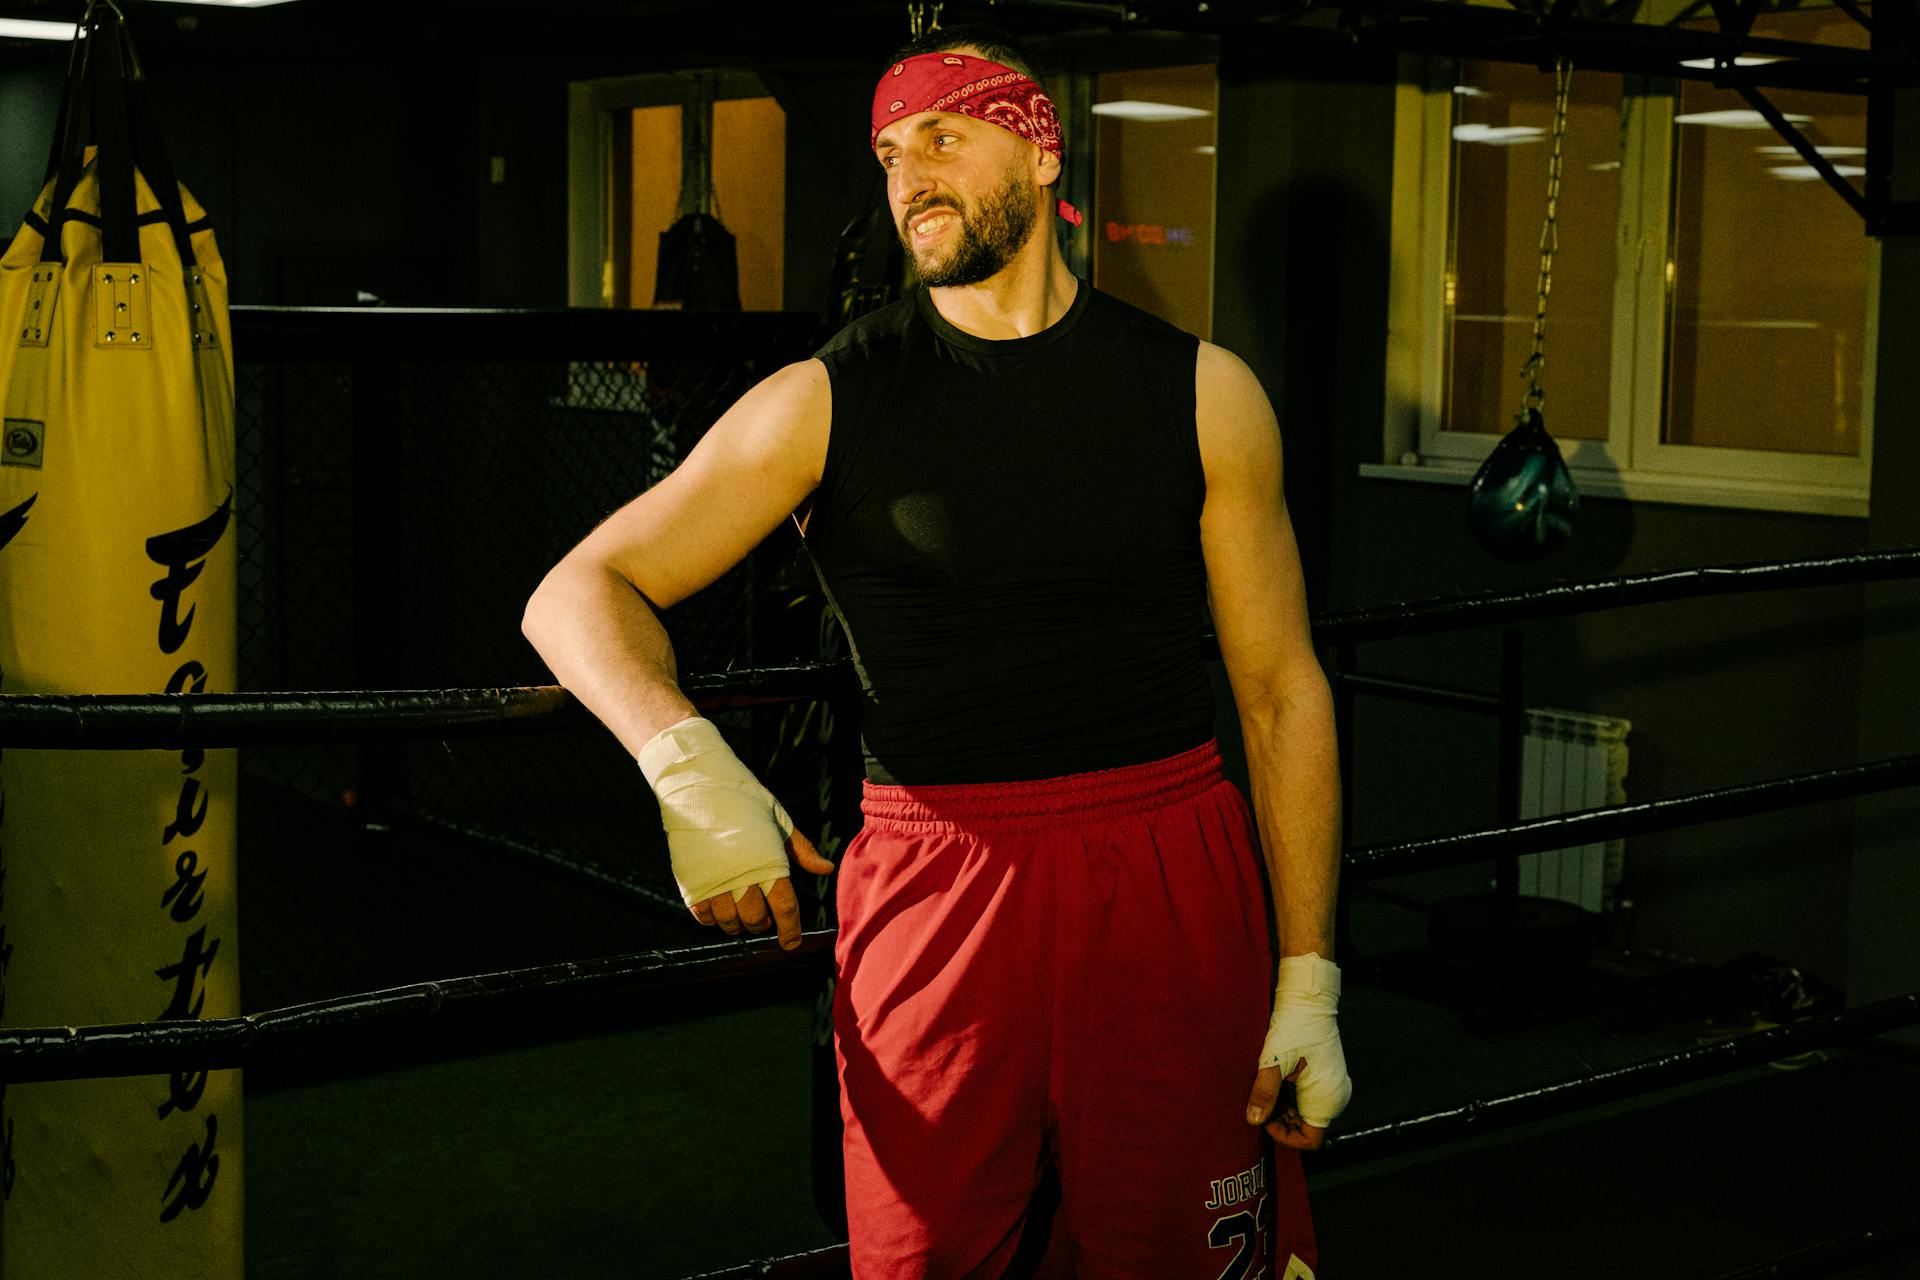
(593, 619)
(593, 616)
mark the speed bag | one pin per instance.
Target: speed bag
(117, 868)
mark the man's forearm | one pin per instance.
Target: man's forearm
(1293, 770)
(603, 643)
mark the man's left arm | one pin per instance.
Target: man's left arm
(1258, 598)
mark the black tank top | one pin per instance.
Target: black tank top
(1009, 532)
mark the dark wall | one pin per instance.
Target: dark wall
(1300, 261)
(324, 186)
(520, 225)
(1735, 689)
(831, 175)
(1885, 897)
(320, 185)
(29, 106)
(324, 189)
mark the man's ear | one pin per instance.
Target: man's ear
(1047, 169)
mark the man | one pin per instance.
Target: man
(1055, 959)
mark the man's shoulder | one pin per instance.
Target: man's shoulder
(1116, 310)
(877, 332)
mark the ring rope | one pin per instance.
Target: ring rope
(31, 1054)
(173, 721)
(1613, 822)
(1683, 1066)
(580, 992)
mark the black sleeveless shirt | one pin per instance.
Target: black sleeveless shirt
(1009, 532)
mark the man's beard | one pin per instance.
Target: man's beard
(988, 239)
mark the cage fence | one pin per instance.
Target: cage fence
(394, 517)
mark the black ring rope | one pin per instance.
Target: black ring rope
(581, 993)
(172, 721)
(557, 994)
(829, 1263)
(1591, 826)
(571, 994)
(1684, 1066)
(1565, 599)
(223, 720)
(1822, 1258)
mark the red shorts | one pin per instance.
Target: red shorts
(1061, 987)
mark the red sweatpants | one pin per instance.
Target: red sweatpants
(1063, 982)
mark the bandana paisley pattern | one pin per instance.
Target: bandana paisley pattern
(970, 86)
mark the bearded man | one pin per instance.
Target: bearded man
(1065, 1009)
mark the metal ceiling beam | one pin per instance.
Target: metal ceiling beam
(1540, 32)
(1610, 39)
(1821, 165)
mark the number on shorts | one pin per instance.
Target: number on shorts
(1246, 1228)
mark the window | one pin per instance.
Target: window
(1153, 184)
(1710, 329)
(633, 143)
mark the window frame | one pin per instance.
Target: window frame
(1633, 462)
(592, 106)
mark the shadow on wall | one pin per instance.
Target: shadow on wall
(1313, 252)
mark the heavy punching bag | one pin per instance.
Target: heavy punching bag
(698, 268)
(117, 888)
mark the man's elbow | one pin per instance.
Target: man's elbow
(1289, 697)
(533, 617)
(547, 603)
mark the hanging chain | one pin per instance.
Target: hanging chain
(918, 15)
(1535, 367)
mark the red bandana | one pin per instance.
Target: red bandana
(970, 86)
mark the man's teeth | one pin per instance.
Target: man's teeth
(932, 225)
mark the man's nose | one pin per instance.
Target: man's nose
(911, 182)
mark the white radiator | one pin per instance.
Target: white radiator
(1571, 761)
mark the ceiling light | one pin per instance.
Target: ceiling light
(1807, 173)
(1147, 112)
(1825, 151)
(1604, 165)
(1709, 64)
(1203, 151)
(1504, 135)
(33, 29)
(227, 4)
(1736, 119)
(1468, 91)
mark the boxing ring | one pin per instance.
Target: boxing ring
(374, 727)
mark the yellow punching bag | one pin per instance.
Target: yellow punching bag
(118, 897)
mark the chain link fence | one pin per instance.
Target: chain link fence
(395, 514)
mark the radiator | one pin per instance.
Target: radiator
(1571, 761)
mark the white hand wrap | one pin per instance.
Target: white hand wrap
(725, 832)
(1304, 1004)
